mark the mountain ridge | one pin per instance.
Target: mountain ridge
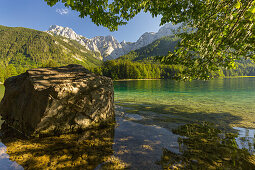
(108, 46)
(159, 47)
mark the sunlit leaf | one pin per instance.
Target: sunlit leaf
(238, 5)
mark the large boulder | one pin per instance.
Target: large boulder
(60, 99)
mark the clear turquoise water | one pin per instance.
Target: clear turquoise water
(147, 110)
(221, 91)
(229, 103)
(234, 97)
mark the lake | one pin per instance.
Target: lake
(213, 100)
(146, 113)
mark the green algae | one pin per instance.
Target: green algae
(203, 146)
(85, 150)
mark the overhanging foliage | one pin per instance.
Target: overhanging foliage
(223, 30)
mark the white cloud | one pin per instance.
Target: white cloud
(62, 11)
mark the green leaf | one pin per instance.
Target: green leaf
(253, 9)
(238, 5)
(72, 3)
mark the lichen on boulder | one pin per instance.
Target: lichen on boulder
(59, 99)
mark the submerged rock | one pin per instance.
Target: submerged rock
(60, 99)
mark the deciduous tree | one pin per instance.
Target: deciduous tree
(219, 31)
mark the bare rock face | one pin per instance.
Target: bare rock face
(61, 99)
(108, 46)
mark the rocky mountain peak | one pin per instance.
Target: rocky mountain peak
(108, 46)
(123, 42)
(167, 29)
(65, 32)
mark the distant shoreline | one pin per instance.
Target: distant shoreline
(164, 79)
(136, 79)
(238, 76)
(246, 76)
(171, 79)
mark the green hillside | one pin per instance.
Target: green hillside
(160, 47)
(140, 64)
(23, 48)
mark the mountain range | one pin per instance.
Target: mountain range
(107, 46)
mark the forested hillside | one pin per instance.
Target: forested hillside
(23, 48)
(141, 64)
(244, 68)
(160, 47)
(126, 69)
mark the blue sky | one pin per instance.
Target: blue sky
(36, 14)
